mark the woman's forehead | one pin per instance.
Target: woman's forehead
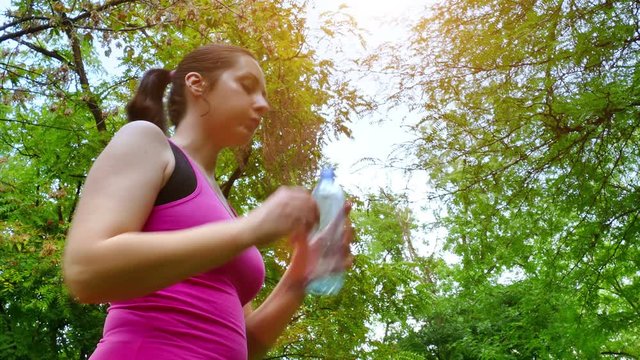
(248, 65)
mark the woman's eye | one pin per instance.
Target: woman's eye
(246, 87)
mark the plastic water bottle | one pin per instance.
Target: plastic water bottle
(328, 276)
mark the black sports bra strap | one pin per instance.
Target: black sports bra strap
(182, 182)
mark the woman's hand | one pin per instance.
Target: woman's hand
(306, 254)
(287, 210)
(266, 323)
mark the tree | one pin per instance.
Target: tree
(385, 295)
(68, 68)
(530, 115)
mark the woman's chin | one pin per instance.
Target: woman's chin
(249, 135)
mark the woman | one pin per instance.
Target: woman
(153, 235)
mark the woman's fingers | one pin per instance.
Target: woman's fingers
(348, 261)
(347, 238)
(287, 210)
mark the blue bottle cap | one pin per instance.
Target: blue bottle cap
(327, 173)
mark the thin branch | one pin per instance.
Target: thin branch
(593, 202)
(36, 124)
(8, 184)
(229, 8)
(11, 345)
(287, 355)
(40, 83)
(115, 86)
(129, 29)
(620, 291)
(53, 54)
(21, 20)
(17, 149)
(28, 91)
(26, 31)
(619, 353)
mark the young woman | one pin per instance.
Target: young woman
(153, 235)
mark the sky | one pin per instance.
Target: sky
(371, 137)
(383, 21)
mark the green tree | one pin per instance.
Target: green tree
(385, 294)
(67, 69)
(530, 113)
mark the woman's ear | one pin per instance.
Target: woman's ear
(195, 84)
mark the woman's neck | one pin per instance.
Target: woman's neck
(198, 147)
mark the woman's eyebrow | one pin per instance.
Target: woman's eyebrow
(250, 75)
(254, 77)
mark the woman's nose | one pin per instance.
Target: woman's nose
(261, 105)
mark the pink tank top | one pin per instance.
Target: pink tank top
(199, 318)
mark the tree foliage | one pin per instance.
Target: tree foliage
(385, 295)
(529, 131)
(67, 69)
(529, 123)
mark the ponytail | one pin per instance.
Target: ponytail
(147, 103)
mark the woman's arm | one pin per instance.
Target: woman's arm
(267, 322)
(107, 257)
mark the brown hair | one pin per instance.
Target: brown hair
(209, 60)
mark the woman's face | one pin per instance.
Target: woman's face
(236, 103)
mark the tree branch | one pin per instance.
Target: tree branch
(35, 124)
(78, 61)
(230, 9)
(618, 353)
(287, 355)
(30, 30)
(72, 208)
(237, 173)
(53, 54)
(129, 29)
(21, 20)
(7, 66)
(51, 24)
(17, 149)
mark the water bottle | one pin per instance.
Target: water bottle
(327, 277)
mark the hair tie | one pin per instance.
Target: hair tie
(172, 73)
